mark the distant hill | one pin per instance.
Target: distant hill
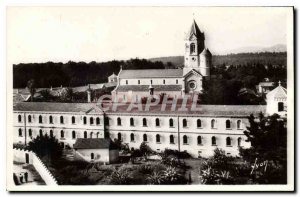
(256, 49)
(274, 58)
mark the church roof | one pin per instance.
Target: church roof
(143, 88)
(205, 52)
(94, 143)
(194, 30)
(279, 92)
(150, 73)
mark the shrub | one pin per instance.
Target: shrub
(121, 177)
(156, 178)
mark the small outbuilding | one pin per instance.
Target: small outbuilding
(96, 150)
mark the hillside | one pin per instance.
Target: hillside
(274, 58)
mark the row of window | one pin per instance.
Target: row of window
(145, 124)
(62, 134)
(184, 138)
(132, 137)
(61, 119)
(151, 81)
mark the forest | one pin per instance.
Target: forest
(72, 74)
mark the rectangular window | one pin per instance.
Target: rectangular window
(126, 82)
(139, 82)
(176, 81)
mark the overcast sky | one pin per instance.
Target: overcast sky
(60, 34)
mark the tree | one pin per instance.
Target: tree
(32, 88)
(46, 94)
(46, 147)
(268, 138)
(67, 95)
(145, 149)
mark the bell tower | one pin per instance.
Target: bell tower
(194, 45)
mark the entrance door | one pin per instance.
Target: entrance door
(27, 158)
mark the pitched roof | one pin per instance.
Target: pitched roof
(279, 92)
(266, 84)
(143, 88)
(113, 75)
(205, 52)
(54, 107)
(94, 143)
(194, 30)
(205, 110)
(150, 73)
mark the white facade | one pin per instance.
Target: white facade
(277, 101)
(151, 125)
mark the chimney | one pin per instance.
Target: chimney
(51, 88)
(89, 99)
(89, 94)
(17, 91)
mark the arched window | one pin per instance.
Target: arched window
(184, 123)
(132, 137)
(164, 81)
(238, 123)
(228, 141)
(145, 137)
(280, 106)
(185, 139)
(84, 120)
(73, 120)
(199, 140)
(30, 133)
(176, 81)
(91, 135)
(98, 135)
(171, 139)
(157, 123)
(29, 118)
(158, 138)
(91, 120)
(20, 132)
(144, 122)
(85, 134)
(239, 141)
(199, 123)
(40, 119)
(97, 120)
(119, 121)
(171, 122)
(61, 120)
(51, 133)
(19, 118)
(73, 134)
(62, 134)
(119, 137)
(213, 141)
(50, 119)
(92, 156)
(213, 123)
(131, 122)
(41, 132)
(192, 48)
(228, 126)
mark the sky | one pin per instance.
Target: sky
(61, 34)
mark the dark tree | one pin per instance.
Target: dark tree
(32, 88)
(268, 138)
(46, 147)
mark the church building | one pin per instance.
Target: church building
(135, 84)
